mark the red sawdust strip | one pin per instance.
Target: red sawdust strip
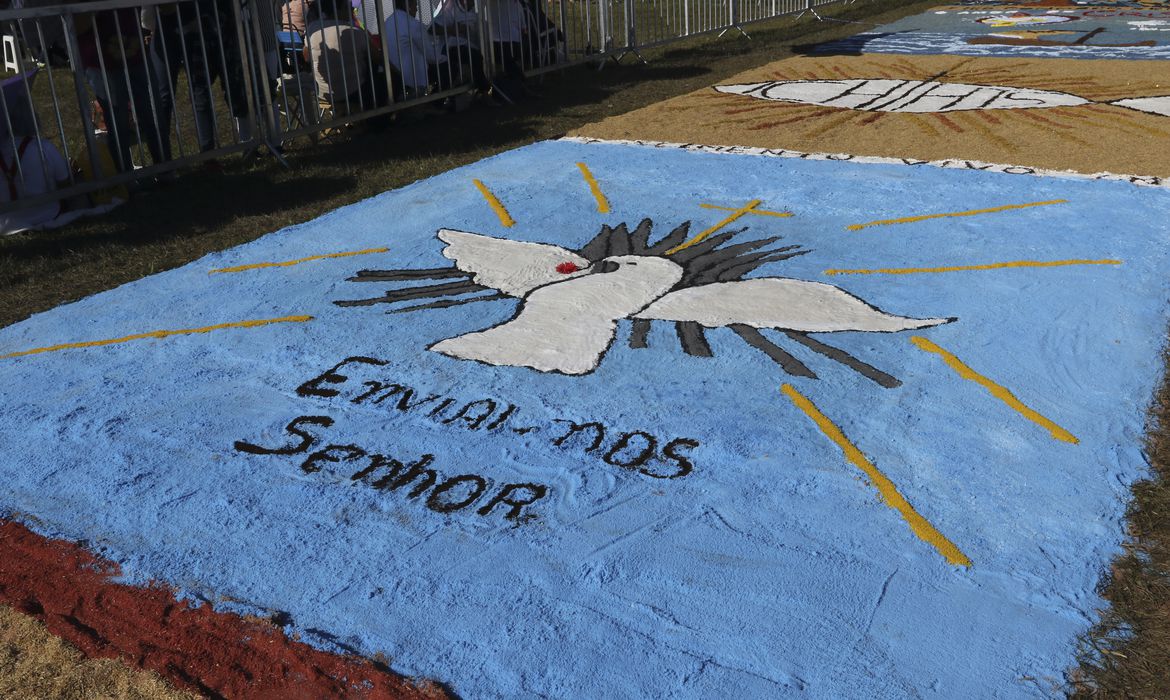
(948, 123)
(748, 109)
(221, 655)
(990, 118)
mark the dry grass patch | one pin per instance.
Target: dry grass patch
(1127, 653)
(38, 666)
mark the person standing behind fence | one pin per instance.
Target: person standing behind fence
(339, 53)
(544, 38)
(414, 53)
(507, 29)
(200, 37)
(292, 16)
(458, 23)
(115, 65)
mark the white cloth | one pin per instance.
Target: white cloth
(340, 56)
(459, 25)
(410, 49)
(38, 178)
(507, 20)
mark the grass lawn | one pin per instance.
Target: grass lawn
(1129, 653)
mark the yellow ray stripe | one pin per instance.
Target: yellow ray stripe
(298, 261)
(962, 268)
(757, 212)
(996, 390)
(889, 493)
(971, 212)
(505, 218)
(735, 215)
(160, 334)
(602, 202)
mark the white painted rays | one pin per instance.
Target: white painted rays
(1152, 105)
(573, 300)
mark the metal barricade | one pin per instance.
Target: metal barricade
(121, 90)
(748, 11)
(114, 91)
(341, 65)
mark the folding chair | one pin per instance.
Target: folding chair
(296, 90)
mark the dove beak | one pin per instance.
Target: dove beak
(606, 266)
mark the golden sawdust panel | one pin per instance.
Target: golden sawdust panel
(1090, 138)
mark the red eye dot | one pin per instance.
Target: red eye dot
(567, 268)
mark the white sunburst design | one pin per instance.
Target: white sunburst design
(1023, 19)
(924, 96)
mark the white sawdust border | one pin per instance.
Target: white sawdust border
(953, 163)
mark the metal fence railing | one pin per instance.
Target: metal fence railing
(115, 91)
(107, 93)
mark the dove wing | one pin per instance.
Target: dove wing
(513, 267)
(776, 302)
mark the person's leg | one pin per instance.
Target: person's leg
(166, 59)
(473, 59)
(439, 75)
(145, 96)
(373, 95)
(164, 83)
(397, 85)
(197, 37)
(200, 74)
(478, 72)
(374, 91)
(111, 96)
(511, 61)
(231, 74)
(512, 84)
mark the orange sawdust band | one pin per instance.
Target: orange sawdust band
(963, 268)
(996, 390)
(497, 206)
(970, 212)
(602, 202)
(889, 493)
(160, 334)
(298, 261)
(757, 212)
(734, 216)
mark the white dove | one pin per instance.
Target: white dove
(570, 306)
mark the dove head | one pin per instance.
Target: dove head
(613, 287)
(648, 269)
